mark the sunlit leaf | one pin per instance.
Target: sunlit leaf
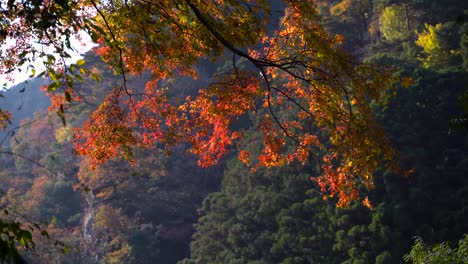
(80, 62)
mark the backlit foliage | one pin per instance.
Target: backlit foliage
(440, 253)
(438, 51)
(278, 65)
(393, 24)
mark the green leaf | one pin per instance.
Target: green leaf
(33, 72)
(53, 86)
(67, 96)
(95, 77)
(70, 81)
(80, 62)
(23, 242)
(41, 74)
(50, 59)
(27, 235)
(61, 114)
(79, 78)
(24, 238)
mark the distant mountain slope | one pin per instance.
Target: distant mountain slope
(22, 100)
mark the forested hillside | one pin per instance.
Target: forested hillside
(244, 189)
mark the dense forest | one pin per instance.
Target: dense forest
(62, 204)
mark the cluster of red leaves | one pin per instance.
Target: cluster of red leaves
(106, 134)
(58, 101)
(322, 97)
(204, 121)
(212, 111)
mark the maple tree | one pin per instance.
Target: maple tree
(268, 215)
(290, 65)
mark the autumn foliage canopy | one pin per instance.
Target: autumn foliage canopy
(313, 100)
